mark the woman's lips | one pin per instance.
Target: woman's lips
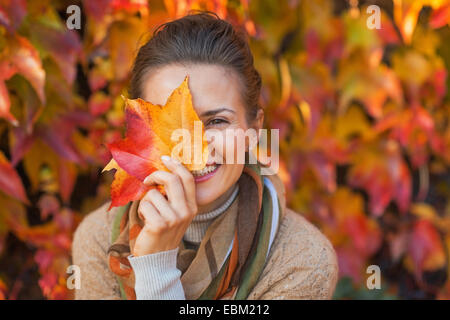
(206, 176)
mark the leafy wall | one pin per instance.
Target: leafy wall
(364, 119)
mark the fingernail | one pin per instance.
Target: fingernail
(165, 158)
(175, 160)
(146, 180)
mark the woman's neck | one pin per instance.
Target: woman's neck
(218, 202)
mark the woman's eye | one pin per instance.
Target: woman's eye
(216, 121)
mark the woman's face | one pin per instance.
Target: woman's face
(217, 99)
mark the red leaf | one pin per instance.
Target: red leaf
(63, 46)
(60, 143)
(22, 142)
(64, 218)
(26, 61)
(5, 104)
(439, 84)
(148, 137)
(350, 263)
(324, 169)
(387, 31)
(44, 259)
(425, 248)
(10, 182)
(374, 178)
(58, 136)
(129, 5)
(97, 9)
(67, 175)
(3, 290)
(440, 17)
(99, 103)
(48, 282)
(12, 13)
(365, 236)
(126, 188)
(48, 205)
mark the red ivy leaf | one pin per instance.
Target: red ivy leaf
(148, 137)
(440, 17)
(10, 182)
(425, 248)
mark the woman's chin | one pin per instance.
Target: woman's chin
(209, 190)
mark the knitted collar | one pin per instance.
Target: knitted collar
(216, 212)
(198, 226)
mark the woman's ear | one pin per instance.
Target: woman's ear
(257, 124)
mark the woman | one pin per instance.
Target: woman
(223, 232)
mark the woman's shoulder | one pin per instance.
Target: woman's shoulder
(302, 263)
(95, 227)
(298, 231)
(89, 252)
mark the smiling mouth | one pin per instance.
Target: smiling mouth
(206, 173)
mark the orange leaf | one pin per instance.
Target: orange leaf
(25, 60)
(3, 290)
(5, 104)
(149, 135)
(406, 13)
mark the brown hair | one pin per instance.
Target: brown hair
(200, 38)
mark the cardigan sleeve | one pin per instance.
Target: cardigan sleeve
(89, 253)
(302, 264)
(157, 276)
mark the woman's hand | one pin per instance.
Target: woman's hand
(166, 220)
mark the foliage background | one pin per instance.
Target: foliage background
(364, 119)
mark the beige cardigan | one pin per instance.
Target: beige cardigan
(302, 263)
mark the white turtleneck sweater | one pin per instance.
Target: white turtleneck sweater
(156, 274)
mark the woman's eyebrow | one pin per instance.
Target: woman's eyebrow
(215, 111)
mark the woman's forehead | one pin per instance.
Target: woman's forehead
(211, 86)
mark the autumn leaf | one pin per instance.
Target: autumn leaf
(125, 187)
(23, 58)
(148, 137)
(99, 103)
(363, 117)
(123, 40)
(3, 290)
(129, 5)
(10, 181)
(425, 248)
(62, 45)
(440, 16)
(383, 179)
(40, 158)
(12, 13)
(406, 13)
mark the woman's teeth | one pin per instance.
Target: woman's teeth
(205, 170)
